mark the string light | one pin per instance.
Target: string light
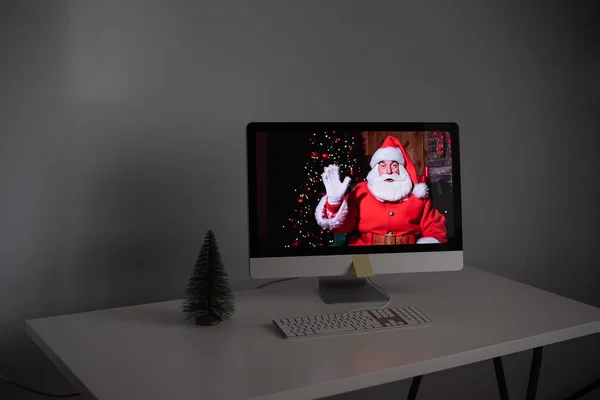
(326, 148)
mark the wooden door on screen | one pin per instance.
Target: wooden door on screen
(415, 144)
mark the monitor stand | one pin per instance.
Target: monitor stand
(348, 289)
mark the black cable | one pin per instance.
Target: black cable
(37, 391)
(582, 392)
(272, 282)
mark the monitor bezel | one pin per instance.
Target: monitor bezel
(454, 243)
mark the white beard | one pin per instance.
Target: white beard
(389, 191)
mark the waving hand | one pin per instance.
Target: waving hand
(334, 186)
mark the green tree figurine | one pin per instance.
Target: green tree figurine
(208, 297)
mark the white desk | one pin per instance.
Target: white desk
(150, 352)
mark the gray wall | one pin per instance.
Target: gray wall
(122, 141)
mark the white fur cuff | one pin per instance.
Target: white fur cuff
(330, 222)
(427, 240)
(333, 201)
(420, 190)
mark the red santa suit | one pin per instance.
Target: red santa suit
(409, 220)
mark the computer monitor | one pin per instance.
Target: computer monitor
(321, 193)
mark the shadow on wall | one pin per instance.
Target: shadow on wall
(131, 238)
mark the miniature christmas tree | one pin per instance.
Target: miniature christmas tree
(208, 297)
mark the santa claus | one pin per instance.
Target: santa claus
(391, 207)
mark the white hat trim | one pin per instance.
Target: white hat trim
(387, 154)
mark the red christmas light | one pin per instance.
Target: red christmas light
(329, 148)
(440, 143)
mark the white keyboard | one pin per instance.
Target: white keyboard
(354, 321)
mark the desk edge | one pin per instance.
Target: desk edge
(346, 385)
(57, 361)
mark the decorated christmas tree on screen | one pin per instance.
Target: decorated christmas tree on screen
(345, 150)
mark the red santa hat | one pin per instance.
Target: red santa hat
(392, 150)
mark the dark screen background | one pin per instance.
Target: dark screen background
(286, 164)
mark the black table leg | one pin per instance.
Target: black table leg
(534, 376)
(414, 387)
(500, 378)
(582, 392)
(534, 373)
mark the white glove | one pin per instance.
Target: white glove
(335, 188)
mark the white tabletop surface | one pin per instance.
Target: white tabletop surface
(150, 352)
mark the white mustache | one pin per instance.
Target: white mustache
(394, 177)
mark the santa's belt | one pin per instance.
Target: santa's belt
(388, 239)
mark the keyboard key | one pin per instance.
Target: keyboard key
(420, 314)
(408, 318)
(364, 320)
(334, 330)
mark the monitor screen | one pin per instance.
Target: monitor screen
(347, 188)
